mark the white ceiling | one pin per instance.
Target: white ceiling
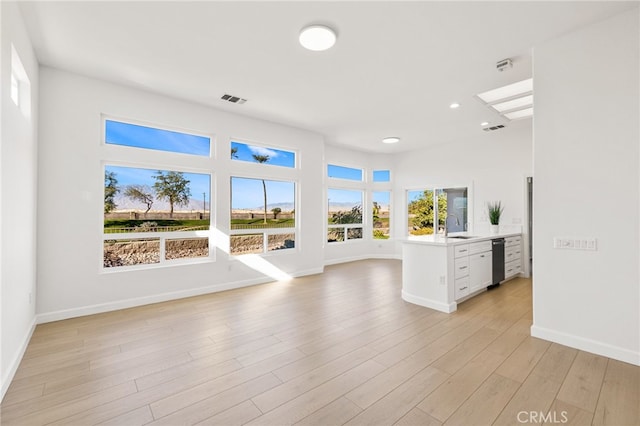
(393, 72)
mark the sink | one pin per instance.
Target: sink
(462, 237)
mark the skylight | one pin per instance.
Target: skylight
(501, 93)
(523, 113)
(513, 101)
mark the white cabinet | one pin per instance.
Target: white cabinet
(472, 268)
(480, 271)
(512, 256)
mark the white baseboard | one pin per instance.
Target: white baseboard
(163, 297)
(429, 303)
(328, 262)
(15, 362)
(587, 345)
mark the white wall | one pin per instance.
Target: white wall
(494, 167)
(70, 280)
(18, 178)
(586, 152)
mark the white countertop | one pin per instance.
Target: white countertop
(440, 240)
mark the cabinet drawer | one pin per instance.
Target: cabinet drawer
(461, 267)
(512, 268)
(479, 247)
(462, 287)
(512, 241)
(461, 250)
(512, 253)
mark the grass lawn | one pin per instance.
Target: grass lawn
(132, 223)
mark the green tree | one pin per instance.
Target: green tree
(173, 187)
(141, 193)
(234, 152)
(110, 191)
(347, 216)
(276, 211)
(422, 209)
(263, 159)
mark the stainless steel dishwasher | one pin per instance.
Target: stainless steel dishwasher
(497, 253)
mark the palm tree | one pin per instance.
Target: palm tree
(263, 159)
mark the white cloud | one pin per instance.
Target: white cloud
(259, 150)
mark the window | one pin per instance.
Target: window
(340, 172)
(258, 154)
(380, 214)
(154, 216)
(262, 215)
(448, 205)
(15, 89)
(20, 86)
(381, 176)
(344, 215)
(133, 135)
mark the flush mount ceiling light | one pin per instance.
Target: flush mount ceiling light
(513, 101)
(391, 139)
(317, 37)
(454, 105)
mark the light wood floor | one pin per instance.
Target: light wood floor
(330, 349)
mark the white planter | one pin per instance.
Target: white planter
(494, 229)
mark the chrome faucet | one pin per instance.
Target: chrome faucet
(446, 223)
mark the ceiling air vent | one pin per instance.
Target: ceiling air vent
(492, 128)
(233, 99)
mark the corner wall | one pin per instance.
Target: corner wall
(18, 188)
(586, 161)
(494, 167)
(70, 216)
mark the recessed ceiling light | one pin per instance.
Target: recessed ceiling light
(317, 38)
(392, 139)
(484, 123)
(454, 105)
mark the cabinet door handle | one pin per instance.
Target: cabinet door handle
(462, 251)
(482, 255)
(462, 267)
(463, 288)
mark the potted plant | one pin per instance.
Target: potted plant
(495, 210)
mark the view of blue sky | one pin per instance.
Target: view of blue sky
(277, 157)
(415, 195)
(198, 183)
(382, 198)
(341, 172)
(248, 193)
(343, 199)
(150, 138)
(381, 176)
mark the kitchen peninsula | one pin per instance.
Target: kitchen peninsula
(439, 272)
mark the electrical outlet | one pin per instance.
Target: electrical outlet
(442, 280)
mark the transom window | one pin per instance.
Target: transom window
(263, 155)
(137, 136)
(341, 172)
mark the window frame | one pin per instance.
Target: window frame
(339, 179)
(135, 122)
(346, 226)
(435, 188)
(163, 236)
(266, 231)
(296, 160)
